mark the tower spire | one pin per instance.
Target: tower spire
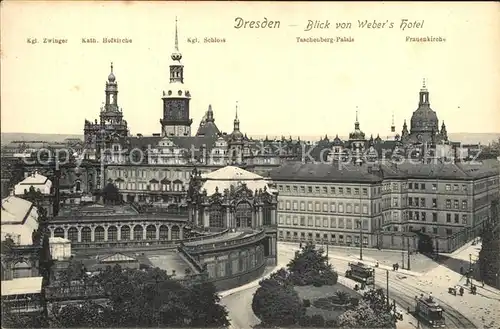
(177, 38)
(357, 114)
(393, 127)
(176, 55)
(424, 86)
(236, 120)
(111, 76)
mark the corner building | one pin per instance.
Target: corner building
(385, 206)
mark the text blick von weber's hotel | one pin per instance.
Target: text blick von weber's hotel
(159, 175)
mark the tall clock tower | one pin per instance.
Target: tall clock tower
(176, 120)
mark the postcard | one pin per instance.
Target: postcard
(243, 164)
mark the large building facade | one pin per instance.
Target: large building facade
(380, 204)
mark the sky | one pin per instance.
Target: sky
(282, 87)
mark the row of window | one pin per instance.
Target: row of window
(415, 215)
(243, 215)
(325, 237)
(226, 267)
(176, 187)
(322, 207)
(448, 187)
(323, 190)
(332, 190)
(149, 174)
(423, 229)
(332, 222)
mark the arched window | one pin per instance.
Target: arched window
(163, 232)
(125, 232)
(266, 214)
(216, 216)
(78, 186)
(73, 234)
(175, 232)
(151, 232)
(243, 261)
(21, 270)
(243, 215)
(99, 233)
(112, 233)
(86, 234)
(138, 232)
(59, 232)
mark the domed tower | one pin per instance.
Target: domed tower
(357, 137)
(424, 120)
(111, 116)
(236, 142)
(176, 120)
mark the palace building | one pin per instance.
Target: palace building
(382, 204)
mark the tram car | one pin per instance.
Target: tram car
(427, 309)
(361, 272)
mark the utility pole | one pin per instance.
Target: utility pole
(361, 238)
(327, 257)
(387, 276)
(408, 241)
(360, 224)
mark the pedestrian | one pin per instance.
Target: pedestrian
(461, 291)
(482, 283)
(397, 266)
(300, 245)
(461, 270)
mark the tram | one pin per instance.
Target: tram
(361, 273)
(427, 309)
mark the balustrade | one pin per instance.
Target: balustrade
(221, 244)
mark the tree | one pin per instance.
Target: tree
(111, 194)
(207, 312)
(363, 316)
(489, 257)
(310, 266)
(153, 298)
(13, 319)
(85, 315)
(276, 304)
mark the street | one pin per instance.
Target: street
(403, 287)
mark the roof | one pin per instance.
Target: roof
(324, 172)
(231, 173)
(95, 210)
(224, 178)
(117, 258)
(14, 210)
(350, 173)
(451, 171)
(22, 286)
(35, 179)
(208, 129)
(55, 239)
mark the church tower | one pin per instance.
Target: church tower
(236, 142)
(176, 121)
(111, 115)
